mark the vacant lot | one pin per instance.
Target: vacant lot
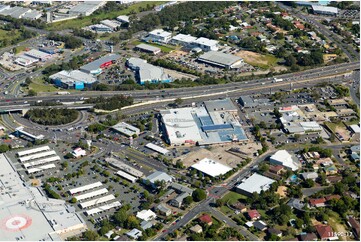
(39, 85)
(255, 59)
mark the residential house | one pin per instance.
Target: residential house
(146, 224)
(134, 233)
(178, 201)
(355, 225)
(334, 179)
(253, 214)
(260, 225)
(330, 170)
(277, 169)
(331, 197)
(163, 210)
(309, 175)
(196, 229)
(308, 237)
(317, 202)
(325, 232)
(240, 207)
(206, 218)
(273, 231)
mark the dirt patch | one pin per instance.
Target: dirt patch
(179, 75)
(177, 53)
(344, 133)
(221, 154)
(282, 191)
(35, 182)
(252, 57)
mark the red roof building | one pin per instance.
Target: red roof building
(317, 202)
(299, 25)
(330, 197)
(325, 232)
(205, 218)
(355, 225)
(276, 169)
(253, 214)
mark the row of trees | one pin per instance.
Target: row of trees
(52, 116)
(111, 103)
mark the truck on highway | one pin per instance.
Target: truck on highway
(63, 93)
(277, 80)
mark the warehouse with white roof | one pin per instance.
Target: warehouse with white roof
(183, 40)
(255, 183)
(73, 79)
(147, 73)
(37, 54)
(285, 159)
(211, 168)
(325, 10)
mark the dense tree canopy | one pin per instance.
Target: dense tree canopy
(52, 116)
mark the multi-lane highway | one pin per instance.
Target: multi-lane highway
(146, 95)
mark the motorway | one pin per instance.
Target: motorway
(146, 95)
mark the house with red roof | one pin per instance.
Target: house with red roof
(325, 232)
(253, 214)
(330, 197)
(205, 218)
(355, 225)
(317, 202)
(277, 169)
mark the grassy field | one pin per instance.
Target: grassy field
(164, 49)
(258, 60)
(270, 59)
(9, 35)
(233, 197)
(20, 49)
(84, 21)
(39, 85)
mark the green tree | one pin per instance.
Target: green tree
(199, 195)
(73, 200)
(32, 92)
(178, 101)
(90, 235)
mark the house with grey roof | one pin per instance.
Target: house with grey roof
(178, 201)
(163, 210)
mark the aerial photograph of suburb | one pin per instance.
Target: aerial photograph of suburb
(140, 120)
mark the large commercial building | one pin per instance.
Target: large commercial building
(37, 54)
(148, 48)
(73, 79)
(183, 40)
(255, 183)
(86, 8)
(211, 168)
(213, 123)
(96, 67)
(113, 24)
(221, 59)
(126, 129)
(147, 73)
(159, 35)
(324, 10)
(26, 214)
(206, 44)
(189, 41)
(285, 159)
